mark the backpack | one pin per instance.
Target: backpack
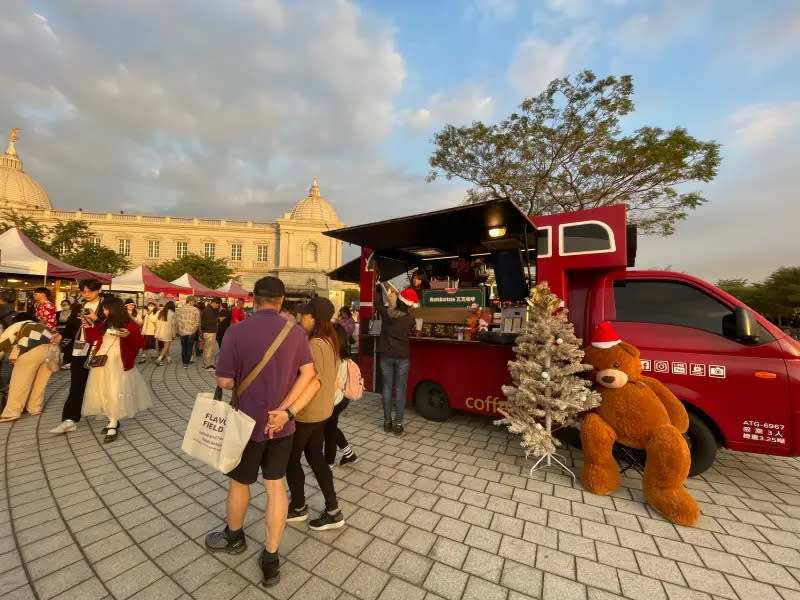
(354, 387)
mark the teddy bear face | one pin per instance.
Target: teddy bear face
(614, 366)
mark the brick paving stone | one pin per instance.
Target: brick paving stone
(446, 581)
(380, 553)
(616, 556)
(558, 563)
(706, 580)
(336, 567)
(566, 589)
(657, 567)
(638, 587)
(418, 540)
(480, 589)
(487, 565)
(366, 582)
(397, 589)
(597, 575)
(770, 573)
(576, 545)
(449, 552)
(747, 588)
(452, 528)
(411, 566)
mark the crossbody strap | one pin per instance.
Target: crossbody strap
(262, 363)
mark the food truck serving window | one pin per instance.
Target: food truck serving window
(544, 245)
(587, 237)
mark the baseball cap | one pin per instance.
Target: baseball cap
(191, 299)
(130, 301)
(318, 307)
(269, 287)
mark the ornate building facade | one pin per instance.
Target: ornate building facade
(292, 247)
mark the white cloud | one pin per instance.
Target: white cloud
(651, 31)
(536, 61)
(459, 105)
(760, 124)
(172, 108)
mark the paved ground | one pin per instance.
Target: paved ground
(445, 511)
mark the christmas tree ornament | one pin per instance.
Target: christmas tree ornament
(547, 392)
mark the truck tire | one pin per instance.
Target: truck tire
(431, 401)
(702, 445)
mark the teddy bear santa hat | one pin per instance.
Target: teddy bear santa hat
(604, 336)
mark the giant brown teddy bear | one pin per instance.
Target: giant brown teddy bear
(638, 412)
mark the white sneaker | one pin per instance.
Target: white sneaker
(65, 427)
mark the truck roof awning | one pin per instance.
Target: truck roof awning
(443, 233)
(349, 272)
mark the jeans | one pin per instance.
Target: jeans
(333, 435)
(308, 439)
(187, 343)
(395, 376)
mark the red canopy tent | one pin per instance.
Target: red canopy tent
(198, 289)
(232, 289)
(142, 279)
(19, 255)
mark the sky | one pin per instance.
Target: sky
(227, 109)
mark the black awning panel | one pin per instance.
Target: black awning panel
(444, 232)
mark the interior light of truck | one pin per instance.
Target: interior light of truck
(496, 232)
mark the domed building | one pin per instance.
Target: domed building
(292, 248)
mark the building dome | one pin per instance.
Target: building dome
(17, 189)
(314, 208)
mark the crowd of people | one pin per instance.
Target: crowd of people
(296, 396)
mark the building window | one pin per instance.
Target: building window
(209, 250)
(262, 252)
(236, 252)
(94, 241)
(62, 248)
(181, 249)
(125, 247)
(153, 248)
(312, 253)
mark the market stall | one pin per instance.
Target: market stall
(467, 321)
(198, 289)
(232, 289)
(141, 280)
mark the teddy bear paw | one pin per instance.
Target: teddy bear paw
(676, 504)
(600, 479)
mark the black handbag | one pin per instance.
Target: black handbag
(95, 361)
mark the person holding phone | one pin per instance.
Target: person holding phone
(81, 349)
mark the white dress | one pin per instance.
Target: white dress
(111, 390)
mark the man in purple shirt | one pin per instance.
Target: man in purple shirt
(283, 387)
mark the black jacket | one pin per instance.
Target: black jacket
(208, 320)
(393, 340)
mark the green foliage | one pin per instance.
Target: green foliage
(351, 295)
(98, 258)
(212, 272)
(69, 238)
(777, 297)
(565, 151)
(37, 232)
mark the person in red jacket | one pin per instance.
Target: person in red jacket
(237, 314)
(116, 389)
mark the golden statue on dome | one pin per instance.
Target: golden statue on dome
(14, 134)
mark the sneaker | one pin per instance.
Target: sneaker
(348, 460)
(327, 521)
(297, 515)
(270, 569)
(185, 366)
(142, 360)
(66, 367)
(387, 426)
(159, 361)
(218, 541)
(210, 368)
(65, 427)
(398, 429)
(169, 360)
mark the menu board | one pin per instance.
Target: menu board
(453, 298)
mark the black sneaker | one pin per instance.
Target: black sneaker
(348, 460)
(218, 541)
(270, 569)
(297, 514)
(387, 426)
(398, 429)
(327, 521)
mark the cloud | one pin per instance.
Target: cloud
(462, 104)
(495, 10)
(764, 41)
(536, 62)
(760, 124)
(200, 108)
(651, 31)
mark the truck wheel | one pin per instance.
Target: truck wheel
(702, 445)
(431, 401)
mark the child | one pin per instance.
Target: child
(333, 435)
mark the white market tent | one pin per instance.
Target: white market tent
(142, 279)
(232, 289)
(198, 289)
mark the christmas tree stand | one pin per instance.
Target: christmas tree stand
(549, 460)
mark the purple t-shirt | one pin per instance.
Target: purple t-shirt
(244, 347)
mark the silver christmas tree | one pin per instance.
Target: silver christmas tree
(547, 391)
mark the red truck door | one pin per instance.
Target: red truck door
(686, 336)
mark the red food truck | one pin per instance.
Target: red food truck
(738, 374)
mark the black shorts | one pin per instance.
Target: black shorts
(271, 455)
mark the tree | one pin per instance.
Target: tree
(351, 295)
(565, 151)
(98, 258)
(781, 293)
(546, 390)
(212, 272)
(37, 232)
(68, 238)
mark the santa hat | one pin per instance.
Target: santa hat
(409, 297)
(604, 336)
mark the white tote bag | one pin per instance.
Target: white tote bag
(217, 432)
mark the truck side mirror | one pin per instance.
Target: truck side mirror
(746, 326)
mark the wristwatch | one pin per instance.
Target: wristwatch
(291, 414)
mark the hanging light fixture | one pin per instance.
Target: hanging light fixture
(496, 232)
